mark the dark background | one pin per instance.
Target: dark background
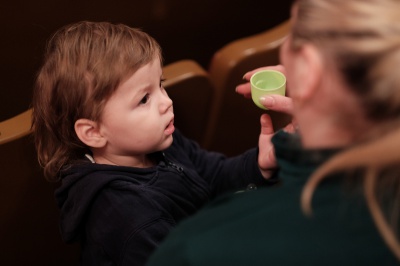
(185, 29)
(193, 29)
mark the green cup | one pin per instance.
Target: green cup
(266, 82)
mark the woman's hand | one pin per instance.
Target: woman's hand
(272, 102)
(266, 157)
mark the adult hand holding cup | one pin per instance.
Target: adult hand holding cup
(266, 82)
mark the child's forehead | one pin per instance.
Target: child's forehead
(153, 67)
(144, 76)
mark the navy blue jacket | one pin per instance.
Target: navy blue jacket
(121, 214)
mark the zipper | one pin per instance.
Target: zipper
(172, 165)
(176, 167)
(180, 169)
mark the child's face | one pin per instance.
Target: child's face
(138, 119)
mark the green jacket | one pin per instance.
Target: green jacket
(267, 227)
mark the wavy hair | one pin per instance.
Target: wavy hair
(362, 38)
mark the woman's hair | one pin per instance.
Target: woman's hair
(362, 39)
(83, 65)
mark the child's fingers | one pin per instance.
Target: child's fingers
(266, 125)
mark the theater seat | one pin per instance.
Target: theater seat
(29, 216)
(192, 92)
(234, 124)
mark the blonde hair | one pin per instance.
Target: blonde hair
(83, 65)
(362, 37)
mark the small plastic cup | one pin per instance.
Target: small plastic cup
(266, 82)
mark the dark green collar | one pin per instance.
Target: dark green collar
(293, 160)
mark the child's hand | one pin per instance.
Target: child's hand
(266, 155)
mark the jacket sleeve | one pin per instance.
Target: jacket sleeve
(222, 173)
(142, 243)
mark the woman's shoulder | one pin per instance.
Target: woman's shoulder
(262, 227)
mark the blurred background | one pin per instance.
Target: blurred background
(193, 29)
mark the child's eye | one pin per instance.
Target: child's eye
(144, 99)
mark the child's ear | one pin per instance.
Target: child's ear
(88, 132)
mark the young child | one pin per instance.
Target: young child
(104, 125)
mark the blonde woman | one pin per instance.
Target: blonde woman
(339, 196)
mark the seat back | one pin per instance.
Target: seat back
(234, 122)
(192, 92)
(29, 233)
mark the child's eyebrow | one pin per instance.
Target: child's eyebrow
(138, 92)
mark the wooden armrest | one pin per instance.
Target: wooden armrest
(182, 70)
(15, 127)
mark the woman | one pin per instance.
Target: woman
(338, 199)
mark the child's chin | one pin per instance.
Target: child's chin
(167, 142)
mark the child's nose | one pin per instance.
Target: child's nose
(166, 103)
